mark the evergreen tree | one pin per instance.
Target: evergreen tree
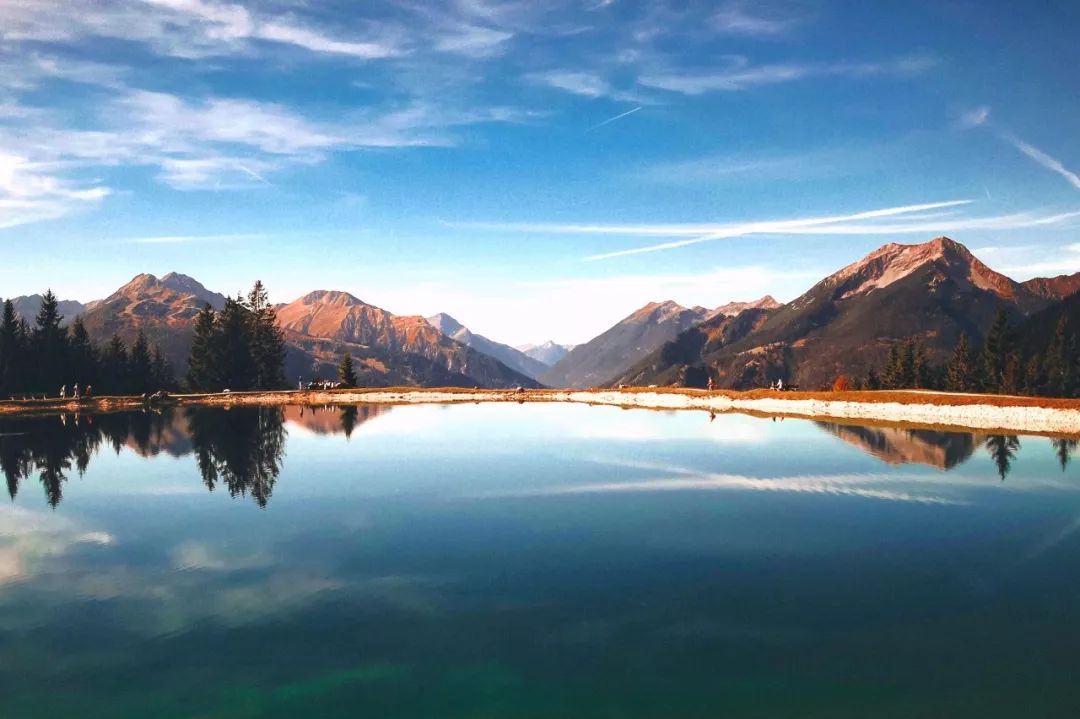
(161, 372)
(893, 377)
(921, 371)
(1058, 366)
(1012, 373)
(995, 351)
(140, 375)
(203, 360)
(346, 372)
(267, 340)
(1034, 379)
(48, 346)
(872, 381)
(10, 351)
(114, 367)
(83, 355)
(233, 347)
(958, 375)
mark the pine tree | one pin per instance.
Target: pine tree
(1058, 366)
(140, 376)
(233, 347)
(995, 350)
(161, 372)
(267, 340)
(872, 381)
(203, 361)
(49, 345)
(921, 370)
(10, 351)
(83, 355)
(1034, 379)
(1011, 375)
(893, 377)
(114, 367)
(346, 372)
(958, 374)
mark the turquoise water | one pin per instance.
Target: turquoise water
(532, 561)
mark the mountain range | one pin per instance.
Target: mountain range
(635, 337)
(844, 324)
(547, 353)
(511, 357)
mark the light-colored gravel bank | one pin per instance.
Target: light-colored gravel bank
(968, 415)
(972, 412)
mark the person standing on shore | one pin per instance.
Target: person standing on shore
(63, 391)
(75, 391)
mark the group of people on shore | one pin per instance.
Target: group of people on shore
(321, 384)
(75, 391)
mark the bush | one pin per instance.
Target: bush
(841, 384)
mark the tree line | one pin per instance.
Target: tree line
(239, 347)
(1001, 365)
(42, 357)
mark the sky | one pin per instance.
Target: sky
(538, 170)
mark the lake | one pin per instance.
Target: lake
(505, 560)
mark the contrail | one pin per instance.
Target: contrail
(779, 227)
(1050, 163)
(254, 174)
(613, 119)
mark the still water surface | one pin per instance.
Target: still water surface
(532, 561)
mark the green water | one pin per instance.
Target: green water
(532, 561)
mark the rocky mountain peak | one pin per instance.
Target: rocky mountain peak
(893, 262)
(445, 324)
(331, 297)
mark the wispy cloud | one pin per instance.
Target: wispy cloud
(975, 117)
(926, 218)
(1040, 157)
(742, 74)
(189, 239)
(757, 20)
(31, 193)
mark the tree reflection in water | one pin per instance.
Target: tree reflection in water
(1002, 448)
(241, 448)
(51, 445)
(1064, 449)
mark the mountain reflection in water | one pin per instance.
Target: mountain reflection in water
(241, 449)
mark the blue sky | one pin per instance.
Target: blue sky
(536, 169)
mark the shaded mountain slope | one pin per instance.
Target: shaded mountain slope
(509, 356)
(620, 347)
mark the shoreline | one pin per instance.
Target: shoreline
(913, 409)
